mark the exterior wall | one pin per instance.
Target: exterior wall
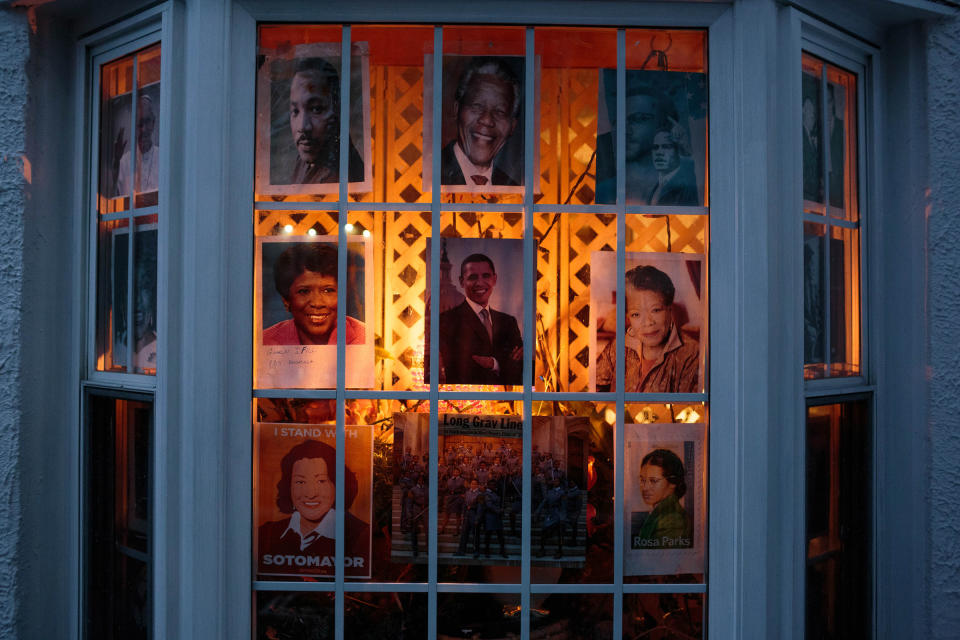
(14, 34)
(943, 292)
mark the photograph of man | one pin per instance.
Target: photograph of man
(315, 125)
(304, 542)
(479, 344)
(487, 149)
(662, 484)
(147, 153)
(812, 156)
(298, 145)
(667, 111)
(676, 184)
(305, 276)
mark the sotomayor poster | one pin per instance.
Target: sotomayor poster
(295, 499)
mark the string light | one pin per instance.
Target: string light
(288, 228)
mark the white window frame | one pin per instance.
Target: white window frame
(717, 19)
(804, 33)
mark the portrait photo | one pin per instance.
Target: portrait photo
(665, 501)
(481, 311)
(144, 298)
(481, 139)
(295, 506)
(298, 120)
(123, 155)
(295, 315)
(665, 319)
(666, 138)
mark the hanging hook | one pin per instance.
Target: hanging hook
(660, 54)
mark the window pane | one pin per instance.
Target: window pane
(483, 254)
(116, 124)
(113, 295)
(397, 80)
(842, 132)
(666, 121)
(844, 302)
(294, 615)
(295, 493)
(814, 299)
(146, 176)
(812, 109)
(664, 615)
(486, 451)
(666, 320)
(398, 319)
(571, 122)
(298, 114)
(482, 142)
(478, 615)
(665, 493)
(839, 534)
(580, 616)
(382, 615)
(572, 478)
(567, 249)
(118, 517)
(297, 299)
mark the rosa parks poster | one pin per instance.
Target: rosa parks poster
(479, 275)
(295, 315)
(666, 320)
(298, 120)
(295, 499)
(479, 493)
(481, 130)
(664, 516)
(666, 138)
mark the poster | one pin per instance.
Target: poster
(295, 499)
(482, 132)
(144, 297)
(298, 120)
(480, 488)
(295, 312)
(664, 516)
(479, 276)
(666, 138)
(666, 321)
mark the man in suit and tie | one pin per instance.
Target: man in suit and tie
(478, 344)
(487, 108)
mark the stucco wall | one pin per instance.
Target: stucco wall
(14, 54)
(943, 73)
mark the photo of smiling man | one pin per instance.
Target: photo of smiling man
(482, 127)
(299, 121)
(298, 316)
(480, 338)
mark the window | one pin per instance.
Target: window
(453, 235)
(124, 212)
(831, 221)
(838, 433)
